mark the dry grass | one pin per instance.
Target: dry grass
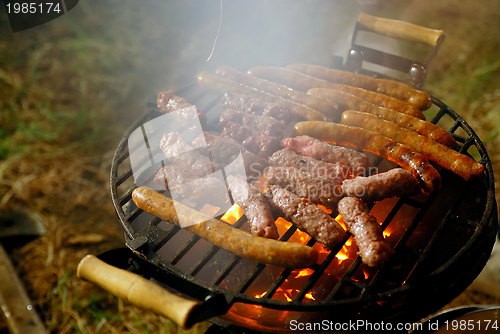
(69, 89)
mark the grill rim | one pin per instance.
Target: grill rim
(122, 153)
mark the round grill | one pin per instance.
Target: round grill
(444, 241)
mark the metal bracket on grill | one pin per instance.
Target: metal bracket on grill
(417, 71)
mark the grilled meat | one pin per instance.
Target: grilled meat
(396, 182)
(264, 124)
(334, 172)
(255, 141)
(317, 189)
(372, 247)
(254, 105)
(306, 215)
(254, 206)
(179, 108)
(357, 162)
(185, 156)
(208, 189)
(225, 150)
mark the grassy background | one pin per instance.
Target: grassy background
(70, 88)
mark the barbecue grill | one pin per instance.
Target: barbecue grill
(441, 243)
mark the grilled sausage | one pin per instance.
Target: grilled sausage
(309, 217)
(444, 156)
(235, 241)
(168, 102)
(415, 97)
(372, 247)
(220, 86)
(317, 189)
(396, 182)
(370, 141)
(406, 121)
(327, 107)
(357, 162)
(303, 83)
(254, 206)
(334, 172)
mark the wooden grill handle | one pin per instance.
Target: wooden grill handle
(400, 29)
(137, 290)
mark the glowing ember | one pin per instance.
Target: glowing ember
(233, 214)
(310, 296)
(261, 295)
(304, 273)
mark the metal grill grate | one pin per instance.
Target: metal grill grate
(466, 208)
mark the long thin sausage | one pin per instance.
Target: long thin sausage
(220, 86)
(327, 107)
(422, 127)
(302, 82)
(376, 143)
(235, 241)
(372, 247)
(444, 156)
(417, 98)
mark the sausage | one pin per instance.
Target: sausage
(317, 189)
(255, 207)
(372, 247)
(309, 217)
(444, 156)
(303, 83)
(327, 107)
(221, 86)
(370, 141)
(235, 241)
(357, 162)
(396, 182)
(415, 97)
(412, 123)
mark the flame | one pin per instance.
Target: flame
(304, 273)
(386, 233)
(233, 214)
(310, 296)
(341, 222)
(261, 295)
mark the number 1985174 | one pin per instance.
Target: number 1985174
(471, 325)
(33, 8)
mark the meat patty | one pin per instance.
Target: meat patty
(306, 215)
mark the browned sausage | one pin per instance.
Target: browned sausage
(415, 97)
(303, 83)
(220, 86)
(235, 241)
(372, 247)
(422, 127)
(327, 107)
(444, 156)
(370, 141)
(309, 217)
(396, 182)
